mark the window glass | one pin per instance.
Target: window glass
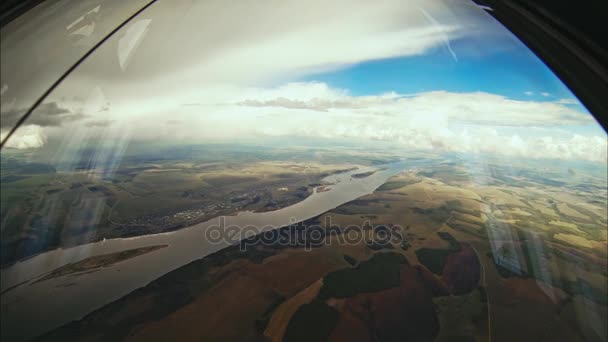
(39, 46)
(300, 171)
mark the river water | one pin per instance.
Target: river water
(32, 308)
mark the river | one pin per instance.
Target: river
(32, 308)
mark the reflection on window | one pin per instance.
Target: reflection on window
(235, 171)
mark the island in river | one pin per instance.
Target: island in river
(95, 263)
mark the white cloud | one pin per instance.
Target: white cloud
(529, 93)
(274, 41)
(301, 53)
(545, 94)
(439, 120)
(28, 136)
(567, 101)
(477, 108)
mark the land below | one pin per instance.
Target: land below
(46, 206)
(477, 252)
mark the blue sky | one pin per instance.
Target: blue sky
(507, 68)
(511, 73)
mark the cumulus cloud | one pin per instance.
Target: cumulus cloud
(28, 136)
(47, 114)
(321, 105)
(58, 112)
(567, 101)
(438, 120)
(477, 108)
(274, 41)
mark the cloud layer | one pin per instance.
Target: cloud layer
(439, 121)
(227, 82)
